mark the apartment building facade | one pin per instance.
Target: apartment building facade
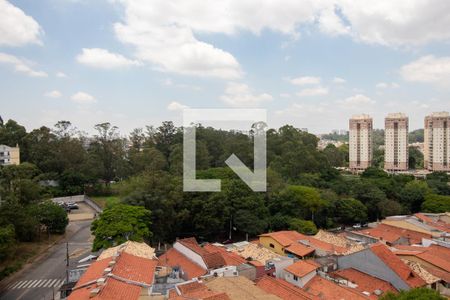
(396, 142)
(9, 155)
(360, 142)
(437, 142)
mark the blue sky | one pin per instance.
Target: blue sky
(310, 63)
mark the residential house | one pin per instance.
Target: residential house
(123, 272)
(434, 259)
(392, 235)
(301, 272)
(378, 261)
(195, 290)
(298, 245)
(9, 155)
(283, 289)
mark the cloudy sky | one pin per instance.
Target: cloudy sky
(311, 63)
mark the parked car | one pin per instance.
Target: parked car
(357, 226)
(72, 205)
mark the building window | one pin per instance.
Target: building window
(295, 278)
(271, 245)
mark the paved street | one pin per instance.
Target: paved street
(45, 276)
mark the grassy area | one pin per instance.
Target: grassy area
(105, 201)
(25, 253)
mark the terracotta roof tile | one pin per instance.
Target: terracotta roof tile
(238, 288)
(365, 282)
(283, 289)
(299, 249)
(196, 290)
(397, 265)
(212, 259)
(301, 268)
(173, 258)
(391, 234)
(230, 258)
(328, 290)
(126, 267)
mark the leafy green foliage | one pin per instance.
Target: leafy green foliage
(7, 241)
(120, 223)
(436, 203)
(303, 226)
(414, 294)
(52, 216)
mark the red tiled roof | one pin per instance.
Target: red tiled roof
(197, 290)
(212, 260)
(127, 266)
(328, 290)
(299, 249)
(301, 268)
(230, 258)
(397, 265)
(283, 289)
(173, 258)
(424, 218)
(391, 234)
(365, 282)
(435, 255)
(287, 238)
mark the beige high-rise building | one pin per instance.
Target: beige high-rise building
(437, 142)
(396, 142)
(360, 142)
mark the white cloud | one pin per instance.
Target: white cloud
(176, 106)
(20, 65)
(356, 101)
(331, 23)
(285, 95)
(53, 94)
(83, 98)
(240, 95)
(304, 80)
(103, 59)
(384, 85)
(428, 69)
(61, 75)
(397, 23)
(316, 91)
(339, 80)
(17, 28)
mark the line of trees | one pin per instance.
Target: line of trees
(305, 191)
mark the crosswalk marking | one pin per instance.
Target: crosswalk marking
(36, 283)
(29, 283)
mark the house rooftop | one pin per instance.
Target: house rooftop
(238, 288)
(302, 268)
(195, 290)
(328, 290)
(116, 277)
(283, 289)
(130, 247)
(174, 258)
(364, 282)
(397, 265)
(212, 259)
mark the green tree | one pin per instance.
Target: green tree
(436, 203)
(7, 241)
(413, 194)
(350, 211)
(414, 294)
(51, 215)
(120, 223)
(302, 226)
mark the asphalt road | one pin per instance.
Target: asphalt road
(43, 278)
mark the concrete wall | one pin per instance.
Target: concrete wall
(367, 262)
(301, 281)
(267, 240)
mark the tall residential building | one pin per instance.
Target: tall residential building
(437, 142)
(396, 142)
(360, 142)
(9, 155)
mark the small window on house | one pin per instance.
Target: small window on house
(271, 245)
(295, 278)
